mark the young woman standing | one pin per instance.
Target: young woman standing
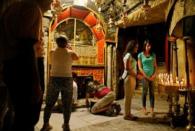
(129, 76)
(148, 68)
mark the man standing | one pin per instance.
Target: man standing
(60, 81)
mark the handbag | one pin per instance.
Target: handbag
(125, 74)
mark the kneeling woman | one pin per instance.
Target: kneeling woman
(103, 99)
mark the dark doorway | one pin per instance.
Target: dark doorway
(82, 82)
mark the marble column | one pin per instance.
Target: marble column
(109, 65)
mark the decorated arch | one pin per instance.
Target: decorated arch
(90, 19)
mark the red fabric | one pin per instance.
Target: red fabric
(102, 92)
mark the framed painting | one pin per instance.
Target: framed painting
(111, 34)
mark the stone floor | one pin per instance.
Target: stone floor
(82, 120)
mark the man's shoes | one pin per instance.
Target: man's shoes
(46, 127)
(118, 109)
(110, 111)
(131, 118)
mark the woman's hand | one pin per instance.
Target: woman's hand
(152, 78)
(139, 76)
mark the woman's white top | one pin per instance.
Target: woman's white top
(132, 66)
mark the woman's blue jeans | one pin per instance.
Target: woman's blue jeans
(146, 84)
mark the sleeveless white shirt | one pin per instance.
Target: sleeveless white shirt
(61, 63)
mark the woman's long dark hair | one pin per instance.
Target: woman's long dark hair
(130, 47)
(147, 41)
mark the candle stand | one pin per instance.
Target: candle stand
(177, 114)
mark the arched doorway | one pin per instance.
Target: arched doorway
(86, 33)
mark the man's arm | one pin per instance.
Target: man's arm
(73, 54)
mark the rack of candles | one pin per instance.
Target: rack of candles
(169, 80)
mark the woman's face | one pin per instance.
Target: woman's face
(148, 47)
